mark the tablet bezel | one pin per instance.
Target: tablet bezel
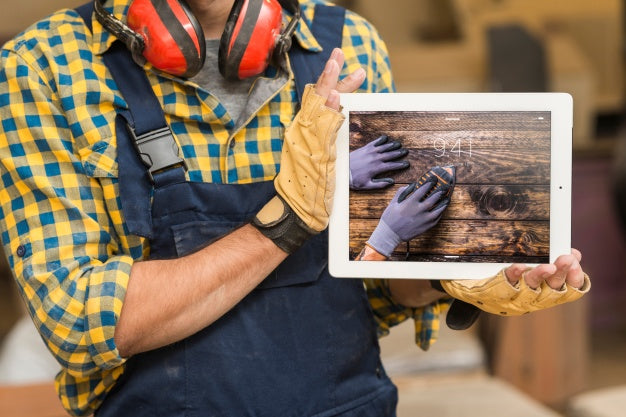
(560, 106)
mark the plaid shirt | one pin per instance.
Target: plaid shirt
(61, 222)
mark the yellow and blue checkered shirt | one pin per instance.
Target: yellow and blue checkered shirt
(61, 223)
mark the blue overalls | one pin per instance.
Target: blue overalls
(301, 344)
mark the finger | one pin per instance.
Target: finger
(328, 79)
(425, 189)
(432, 222)
(389, 147)
(544, 272)
(397, 154)
(575, 276)
(443, 202)
(432, 200)
(404, 192)
(333, 100)
(352, 82)
(514, 273)
(569, 270)
(557, 279)
(337, 55)
(392, 166)
(381, 140)
(577, 254)
(438, 210)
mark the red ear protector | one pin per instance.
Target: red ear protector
(252, 36)
(166, 34)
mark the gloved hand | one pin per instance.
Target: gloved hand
(497, 295)
(374, 158)
(408, 215)
(306, 182)
(516, 290)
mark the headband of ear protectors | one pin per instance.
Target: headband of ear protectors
(166, 34)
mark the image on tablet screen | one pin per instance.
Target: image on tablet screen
(499, 210)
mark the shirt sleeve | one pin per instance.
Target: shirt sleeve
(388, 313)
(56, 234)
(364, 48)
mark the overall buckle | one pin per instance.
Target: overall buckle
(158, 149)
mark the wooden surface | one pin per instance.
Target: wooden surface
(500, 205)
(30, 401)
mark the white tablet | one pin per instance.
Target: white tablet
(512, 153)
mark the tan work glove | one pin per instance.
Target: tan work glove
(497, 295)
(306, 181)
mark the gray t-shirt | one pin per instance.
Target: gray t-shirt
(233, 95)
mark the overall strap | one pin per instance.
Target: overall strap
(327, 28)
(147, 152)
(147, 126)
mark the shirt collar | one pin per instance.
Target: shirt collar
(103, 40)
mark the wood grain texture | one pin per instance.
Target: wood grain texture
(432, 121)
(470, 237)
(482, 157)
(469, 201)
(500, 206)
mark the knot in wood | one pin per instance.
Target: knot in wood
(497, 200)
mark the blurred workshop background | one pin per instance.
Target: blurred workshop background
(569, 360)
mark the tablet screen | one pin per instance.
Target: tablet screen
(511, 165)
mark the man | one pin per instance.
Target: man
(193, 306)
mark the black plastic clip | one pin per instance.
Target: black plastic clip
(158, 149)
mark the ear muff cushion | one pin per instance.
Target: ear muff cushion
(174, 41)
(249, 38)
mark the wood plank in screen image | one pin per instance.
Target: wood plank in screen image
(500, 206)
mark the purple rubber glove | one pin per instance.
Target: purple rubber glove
(408, 215)
(378, 156)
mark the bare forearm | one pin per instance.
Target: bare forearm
(168, 300)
